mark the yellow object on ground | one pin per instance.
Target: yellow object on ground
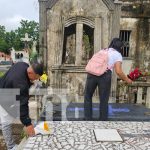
(46, 126)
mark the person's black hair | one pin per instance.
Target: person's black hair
(117, 44)
(38, 68)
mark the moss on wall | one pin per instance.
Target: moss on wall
(137, 8)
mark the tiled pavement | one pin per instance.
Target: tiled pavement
(79, 135)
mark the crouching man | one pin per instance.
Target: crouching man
(19, 76)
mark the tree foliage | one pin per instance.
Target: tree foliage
(3, 43)
(13, 38)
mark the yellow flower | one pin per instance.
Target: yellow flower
(44, 78)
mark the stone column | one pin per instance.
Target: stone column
(42, 30)
(148, 97)
(116, 19)
(97, 35)
(57, 79)
(139, 95)
(149, 27)
(79, 36)
(115, 33)
(59, 40)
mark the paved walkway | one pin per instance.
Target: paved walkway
(78, 135)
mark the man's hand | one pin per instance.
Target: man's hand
(30, 130)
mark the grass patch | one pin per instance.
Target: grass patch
(1, 74)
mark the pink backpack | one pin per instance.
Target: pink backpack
(98, 64)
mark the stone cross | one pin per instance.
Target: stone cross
(26, 40)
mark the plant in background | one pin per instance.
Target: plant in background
(12, 38)
(87, 46)
(1, 74)
(86, 41)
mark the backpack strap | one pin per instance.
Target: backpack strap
(111, 67)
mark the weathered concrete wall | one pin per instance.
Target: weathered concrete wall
(135, 17)
(94, 13)
(62, 11)
(136, 8)
(143, 44)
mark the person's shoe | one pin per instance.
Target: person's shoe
(15, 147)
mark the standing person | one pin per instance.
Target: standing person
(19, 76)
(104, 81)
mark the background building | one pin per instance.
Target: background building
(72, 30)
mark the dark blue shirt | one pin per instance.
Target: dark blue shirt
(17, 77)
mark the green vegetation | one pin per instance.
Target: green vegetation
(86, 41)
(12, 38)
(23, 134)
(1, 74)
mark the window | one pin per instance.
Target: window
(125, 37)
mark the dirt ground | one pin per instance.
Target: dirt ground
(17, 130)
(18, 127)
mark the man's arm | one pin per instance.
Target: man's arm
(24, 108)
(24, 115)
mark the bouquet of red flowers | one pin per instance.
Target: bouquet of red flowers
(135, 74)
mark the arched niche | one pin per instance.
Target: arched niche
(78, 43)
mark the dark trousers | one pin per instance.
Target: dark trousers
(104, 85)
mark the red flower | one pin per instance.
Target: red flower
(135, 74)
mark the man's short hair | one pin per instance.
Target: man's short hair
(38, 68)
